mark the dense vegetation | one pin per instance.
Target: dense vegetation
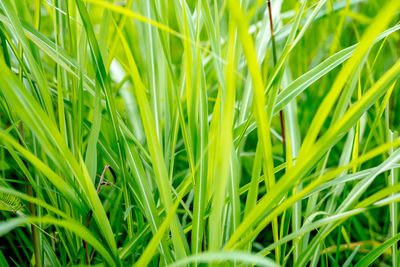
(183, 132)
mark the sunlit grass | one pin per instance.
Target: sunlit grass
(181, 133)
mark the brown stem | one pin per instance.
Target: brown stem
(274, 55)
(271, 25)
(31, 207)
(89, 217)
(283, 132)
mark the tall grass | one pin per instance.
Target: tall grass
(234, 132)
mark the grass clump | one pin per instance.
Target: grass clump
(182, 133)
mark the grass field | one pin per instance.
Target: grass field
(192, 132)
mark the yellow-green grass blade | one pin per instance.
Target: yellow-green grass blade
(72, 226)
(150, 249)
(319, 148)
(33, 65)
(226, 257)
(258, 99)
(156, 153)
(380, 22)
(147, 198)
(317, 182)
(35, 117)
(222, 140)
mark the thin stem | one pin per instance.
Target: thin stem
(274, 55)
(32, 210)
(271, 25)
(89, 217)
(283, 133)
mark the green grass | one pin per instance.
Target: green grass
(183, 133)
